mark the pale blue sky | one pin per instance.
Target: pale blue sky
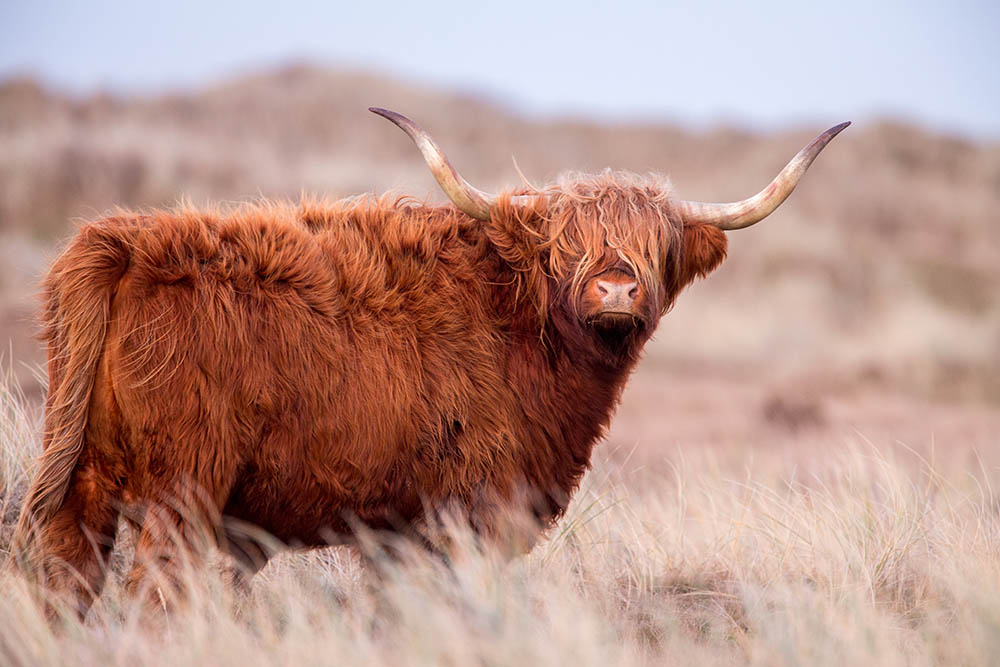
(756, 64)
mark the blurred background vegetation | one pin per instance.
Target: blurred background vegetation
(877, 278)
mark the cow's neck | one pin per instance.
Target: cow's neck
(569, 396)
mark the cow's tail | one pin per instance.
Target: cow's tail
(77, 304)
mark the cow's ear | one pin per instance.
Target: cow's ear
(704, 248)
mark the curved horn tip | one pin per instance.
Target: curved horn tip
(837, 129)
(386, 113)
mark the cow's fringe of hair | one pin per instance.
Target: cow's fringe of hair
(584, 223)
(78, 295)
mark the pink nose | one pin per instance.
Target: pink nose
(616, 296)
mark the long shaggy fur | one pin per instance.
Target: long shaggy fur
(307, 367)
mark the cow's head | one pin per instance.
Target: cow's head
(605, 255)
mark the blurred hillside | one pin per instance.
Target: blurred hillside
(878, 277)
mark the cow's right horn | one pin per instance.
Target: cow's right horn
(468, 199)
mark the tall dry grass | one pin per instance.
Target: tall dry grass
(866, 555)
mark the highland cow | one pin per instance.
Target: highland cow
(309, 369)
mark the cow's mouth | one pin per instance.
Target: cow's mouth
(615, 329)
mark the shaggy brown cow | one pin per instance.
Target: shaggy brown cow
(303, 368)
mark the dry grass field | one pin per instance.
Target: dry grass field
(805, 469)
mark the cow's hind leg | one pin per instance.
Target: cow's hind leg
(178, 530)
(76, 542)
(175, 538)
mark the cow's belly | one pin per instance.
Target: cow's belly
(298, 507)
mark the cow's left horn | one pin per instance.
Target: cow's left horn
(749, 211)
(468, 199)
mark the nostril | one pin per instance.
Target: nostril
(601, 289)
(634, 292)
